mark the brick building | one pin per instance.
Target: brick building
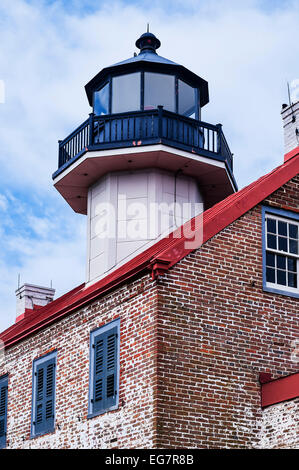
(184, 335)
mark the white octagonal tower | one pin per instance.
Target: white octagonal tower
(143, 163)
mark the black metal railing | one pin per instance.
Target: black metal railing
(144, 128)
(75, 143)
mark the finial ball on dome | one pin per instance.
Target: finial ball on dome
(148, 41)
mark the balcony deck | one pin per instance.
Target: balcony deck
(144, 128)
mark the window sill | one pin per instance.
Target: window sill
(46, 433)
(275, 290)
(101, 412)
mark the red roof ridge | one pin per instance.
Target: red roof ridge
(163, 254)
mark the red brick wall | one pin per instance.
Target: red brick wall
(217, 330)
(132, 425)
(192, 346)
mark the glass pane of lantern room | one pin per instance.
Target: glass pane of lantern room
(126, 93)
(101, 101)
(159, 91)
(187, 100)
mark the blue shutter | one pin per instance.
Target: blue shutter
(111, 368)
(44, 399)
(3, 411)
(105, 370)
(99, 373)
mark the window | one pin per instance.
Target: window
(101, 101)
(3, 410)
(43, 395)
(187, 100)
(104, 369)
(126, 93)
(159, 90)
(281, 251)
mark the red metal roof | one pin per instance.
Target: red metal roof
(160, 256)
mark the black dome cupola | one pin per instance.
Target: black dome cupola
(148, 42)
(165, 75)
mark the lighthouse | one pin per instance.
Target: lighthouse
(169, 344)
(144, 162)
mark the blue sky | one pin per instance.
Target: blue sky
(49, 50)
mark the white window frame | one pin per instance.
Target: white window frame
(276, 215)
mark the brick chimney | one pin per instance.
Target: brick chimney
(290, 118)
(30, 297)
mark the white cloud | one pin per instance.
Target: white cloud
(247, 53)
(2, 91)
(41, 250)
(43, 262)
(3, 202)
(41, 225)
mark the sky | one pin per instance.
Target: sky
(49, 50)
